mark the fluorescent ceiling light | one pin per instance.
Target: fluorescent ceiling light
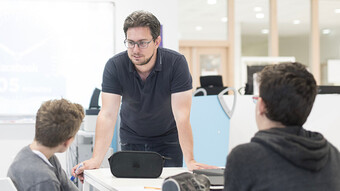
(296, 22)
(198, 28)
(259, 15)
(326, 31)
(264, 31)
(211, 2)
(257, 9)
(336, 10)
(224, 19)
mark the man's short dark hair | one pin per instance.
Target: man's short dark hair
(143, 19)
(57, 121)
(289, 91)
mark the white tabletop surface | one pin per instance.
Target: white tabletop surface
(103, 179)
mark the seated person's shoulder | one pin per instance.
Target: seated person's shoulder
(247, 149)
(247, 153)
(30, 170)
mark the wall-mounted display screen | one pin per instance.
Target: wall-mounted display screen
(52, 49)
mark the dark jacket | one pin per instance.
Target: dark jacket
(288, 158)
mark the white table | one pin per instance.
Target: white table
(103, 180)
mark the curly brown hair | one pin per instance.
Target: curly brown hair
(57, 121)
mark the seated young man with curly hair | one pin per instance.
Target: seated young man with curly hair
(36, 167)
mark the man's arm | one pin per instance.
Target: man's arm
(104, 132)
(181, 105)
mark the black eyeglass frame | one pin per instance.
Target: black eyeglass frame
(145, 44)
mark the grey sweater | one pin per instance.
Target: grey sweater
(288, 158)
(29, 172)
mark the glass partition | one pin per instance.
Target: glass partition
(329, 16)
(202, 20)
(252, 22)
(210, 64)
(294, 29)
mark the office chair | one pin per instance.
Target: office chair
(212, 84)
(211, 81)
(251, 70)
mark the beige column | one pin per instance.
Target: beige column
(314, 51)
(273, 41)
(231, 38)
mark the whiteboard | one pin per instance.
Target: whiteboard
(52, 49)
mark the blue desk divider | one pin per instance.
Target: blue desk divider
(114, 142)
(115, 139)
(210, 127)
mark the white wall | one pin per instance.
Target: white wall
(324, 118)
(12, 138)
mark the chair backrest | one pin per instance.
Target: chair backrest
(7, 184)
(213, 85)
(211, 81)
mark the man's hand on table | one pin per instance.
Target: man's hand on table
(86, 165)
(193, 165)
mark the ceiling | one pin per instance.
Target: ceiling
(208, 17)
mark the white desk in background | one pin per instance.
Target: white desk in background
(103, 180)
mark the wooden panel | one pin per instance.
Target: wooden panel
(274, 35)
(315, 41)
(230, 65)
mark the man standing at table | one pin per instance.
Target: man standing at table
(155, 87)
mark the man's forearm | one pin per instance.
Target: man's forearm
(103, 138)
(186, 141)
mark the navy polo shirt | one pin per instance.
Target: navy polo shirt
(146, 114)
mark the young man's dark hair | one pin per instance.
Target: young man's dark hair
(283, 155)
(36, 167)
(143, 19)
(289, 91)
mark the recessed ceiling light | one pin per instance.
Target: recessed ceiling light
(257, 9)
(259, 15)
(336, 10)
(198, 28)
(264, 31)
(296, 22)
(326, 31)
(211, 2)
(224, 19)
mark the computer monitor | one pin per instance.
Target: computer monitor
(251, 70)
(328, 89)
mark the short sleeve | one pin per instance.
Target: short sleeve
(111, 83)
(181, 78)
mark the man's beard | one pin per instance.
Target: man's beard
(146, 61)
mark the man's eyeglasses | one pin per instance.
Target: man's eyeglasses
(255, 98)
(141, 44)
